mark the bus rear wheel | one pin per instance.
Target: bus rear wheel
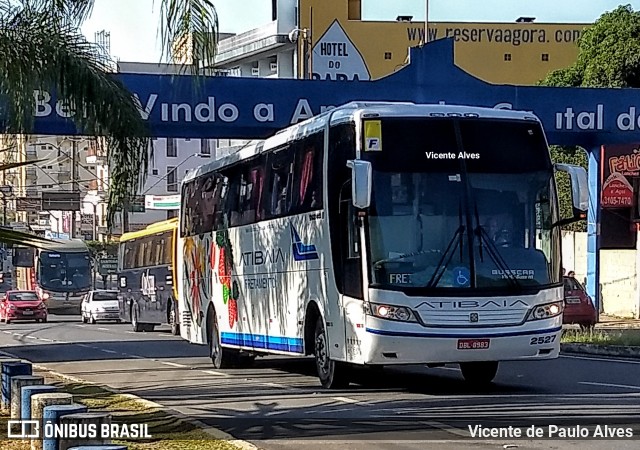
(332, 374)
(479, 373)
(220, 357)
(137, 326)
(173, 321)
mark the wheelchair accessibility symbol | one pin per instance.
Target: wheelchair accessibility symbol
(461, 276)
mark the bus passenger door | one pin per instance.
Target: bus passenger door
(352, 293)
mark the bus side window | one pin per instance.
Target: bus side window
(220, 197)
(280, 187)
(130, 254)
(232, 201)
(166, 245)
(308, 174)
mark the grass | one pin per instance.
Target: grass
(169, 432)
(599, 337)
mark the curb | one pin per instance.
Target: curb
(212, 431)
(602, 350)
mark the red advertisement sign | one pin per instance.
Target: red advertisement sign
(620, 164)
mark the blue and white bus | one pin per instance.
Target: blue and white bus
(380, 234)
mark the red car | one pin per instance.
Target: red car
(22, 305)
(578, 308)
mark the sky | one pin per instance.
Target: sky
(133, 24)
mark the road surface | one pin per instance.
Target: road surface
(278, 404)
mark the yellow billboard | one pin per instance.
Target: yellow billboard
(345, 47)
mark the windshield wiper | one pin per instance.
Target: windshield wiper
(448, 253)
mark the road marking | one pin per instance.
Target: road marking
(47, 340)
(103, 329)
(621, 386)
(7, 332)
(107, 351)
(589, 358)
(447, 428)
(349, 400)
(86, 346)
(132, 332)
(213, 372)
(32, 337)
(172, 364)
(81, 326)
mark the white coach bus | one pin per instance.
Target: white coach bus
(380, 234)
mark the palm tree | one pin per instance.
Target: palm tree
(41, 47)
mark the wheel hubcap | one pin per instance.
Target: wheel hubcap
(322, 357)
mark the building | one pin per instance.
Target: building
(327, 39)
(63, 192)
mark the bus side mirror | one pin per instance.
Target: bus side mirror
(579, 191)
(361, 174)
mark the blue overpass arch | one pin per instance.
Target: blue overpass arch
(247, 108)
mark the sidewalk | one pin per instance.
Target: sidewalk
(610, 322)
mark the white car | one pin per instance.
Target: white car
(100, 305)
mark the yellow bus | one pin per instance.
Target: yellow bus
(146, 274)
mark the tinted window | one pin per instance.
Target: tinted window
(103, 296)
(571, 284)
(431, 145)
(23, 297)
(308, 174)
(282, 182)
(279, 191)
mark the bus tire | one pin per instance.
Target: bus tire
(332, 374)
(220, 357)
(479, 373)
(137, 326)
(173, 320)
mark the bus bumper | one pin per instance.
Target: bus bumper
(386, 347)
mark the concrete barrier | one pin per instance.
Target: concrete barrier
(17, 383)
(27, 392)
(86, 423)
(10, 370)
(52, 414)
(41, 401)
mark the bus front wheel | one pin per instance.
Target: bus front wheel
(479, 373)
(332, 374)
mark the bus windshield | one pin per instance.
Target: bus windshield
(64, 272)
(463, 204)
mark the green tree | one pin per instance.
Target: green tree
(42, 48)
(608, 56)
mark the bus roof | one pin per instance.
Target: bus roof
(349, 112)
(157, 227)
(65, 245)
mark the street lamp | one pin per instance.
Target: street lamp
(305, 34)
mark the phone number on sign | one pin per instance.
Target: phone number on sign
(617, 201)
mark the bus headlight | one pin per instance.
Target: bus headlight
(389, 312)
(546, 311)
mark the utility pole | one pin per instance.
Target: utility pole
(74, 184)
